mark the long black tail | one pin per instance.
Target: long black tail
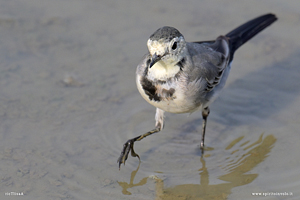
(245, 32)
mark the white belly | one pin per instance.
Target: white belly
(178, 103)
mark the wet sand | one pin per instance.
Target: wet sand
(68, 102)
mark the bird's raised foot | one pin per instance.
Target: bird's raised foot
(127, 147)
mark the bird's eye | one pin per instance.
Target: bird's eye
(174, 46)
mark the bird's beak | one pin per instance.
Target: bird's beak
(155, 58)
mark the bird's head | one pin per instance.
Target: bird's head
(166, 44)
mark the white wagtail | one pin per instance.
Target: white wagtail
(181, 77)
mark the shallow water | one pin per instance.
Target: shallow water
(68, 102)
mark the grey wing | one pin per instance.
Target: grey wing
(210, 61)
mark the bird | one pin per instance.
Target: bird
(183, 77)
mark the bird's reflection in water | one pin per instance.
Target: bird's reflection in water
(126, 186)
(236, 165)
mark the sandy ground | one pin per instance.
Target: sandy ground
(68, 101)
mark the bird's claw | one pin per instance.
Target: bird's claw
(127, 147)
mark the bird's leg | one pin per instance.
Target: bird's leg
(128, 146)
(205, 113)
